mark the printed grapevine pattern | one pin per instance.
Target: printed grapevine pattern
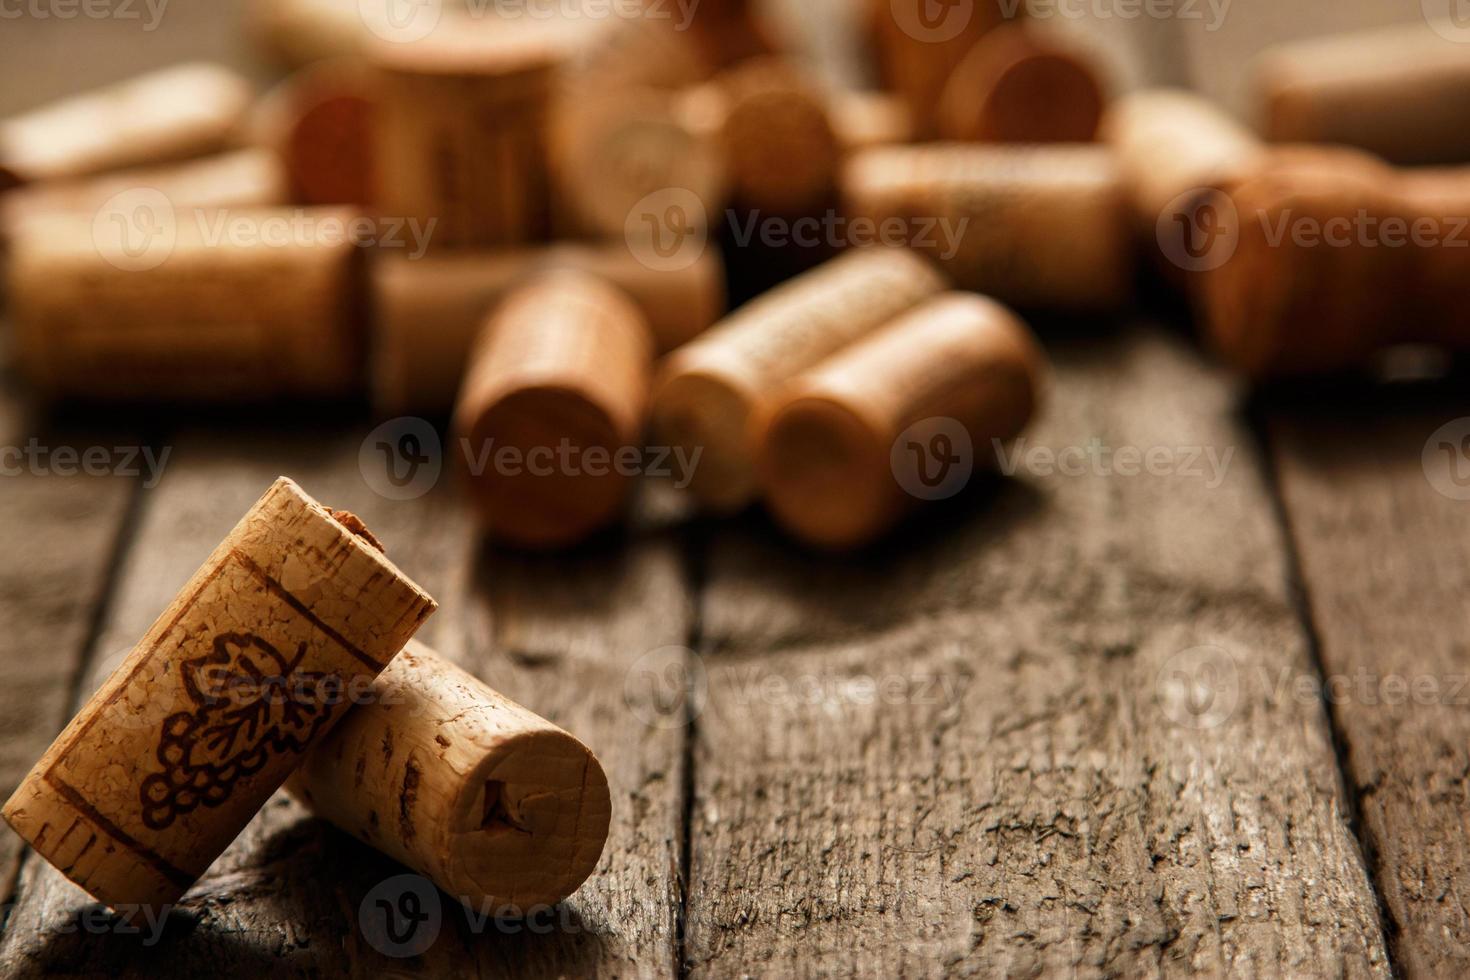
(250, 702)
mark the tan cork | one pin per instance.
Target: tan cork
(1044, 227)
(497, 806)
(179, 112)
(560, 379)
(464, 132)
(228, 306)
(1402, 92)
(247, 668)
(827, 441)
(1017, 85)
(706, 392)
(429, 311)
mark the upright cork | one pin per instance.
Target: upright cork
(1044, 227)
(429, 311)
(319, 122)
(299, 32)
(781, 151)
(846, 449)
(188, 304)
(1017, 85)
(552, 409)
(919, 44)
(1172, 147)
(1336, 257)
(1402, 92)
(706, 392)
(463, 132)
(184, 111)
(238, 179)
(498, 807)
(246, 670)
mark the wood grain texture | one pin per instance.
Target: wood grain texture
(1026, 800)
(59, 535)
(1384, 562)
(288, 897)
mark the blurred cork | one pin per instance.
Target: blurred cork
(707, 391)
(1334, 257)
(1036, 226)
(464, 131)
(497, 806)
(920, 43)
(144, 302)
(559, 378)
(179, 112)
(319, 123)
(430, 310)
(832, 466)
(240, 676)
(1016, 85)
(1401, 92)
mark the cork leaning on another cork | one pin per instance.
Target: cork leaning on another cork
(218, 702)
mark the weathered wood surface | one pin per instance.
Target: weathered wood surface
(1383, 550)
(59, 533)
(1030, 801)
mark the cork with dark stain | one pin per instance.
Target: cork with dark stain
(406, 799)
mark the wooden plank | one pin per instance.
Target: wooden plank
(1033, 795)
(59, 531)
(1380, 517)
(287, 896)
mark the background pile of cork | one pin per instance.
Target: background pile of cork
(512, 223)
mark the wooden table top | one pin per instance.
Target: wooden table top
(963, 752)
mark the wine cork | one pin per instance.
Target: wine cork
(1401, 92)
(184, 111)
(707, 391)
(781, 151)
(1334, 259)
(1172, 147)
(833, 465)
(1019, 86)
(429, 311)
(249, 666)
(238, 179)
(863, 119)
(648, 51)
(319, 122)
(920, 43)
(615, 149)
(463, 132)
(228, 306)
(559, 379)
(1044, 227)
(495, 805)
